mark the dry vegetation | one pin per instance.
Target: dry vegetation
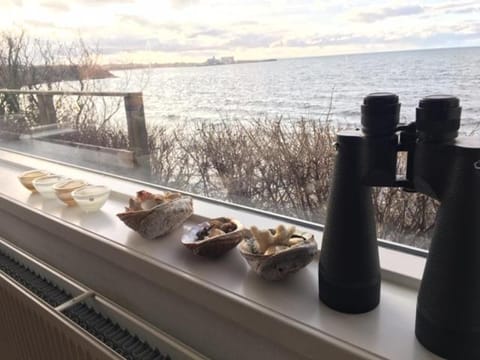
(277, 165)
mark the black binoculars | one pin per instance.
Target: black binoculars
(440, 164)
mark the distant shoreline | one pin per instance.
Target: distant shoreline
(133, 66)
(130, 66)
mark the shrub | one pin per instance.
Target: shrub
(277, 165)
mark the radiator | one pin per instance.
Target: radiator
(47, 315)
(30, 330)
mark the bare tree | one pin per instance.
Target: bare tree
(14, 66)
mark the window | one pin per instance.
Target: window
(238, 107)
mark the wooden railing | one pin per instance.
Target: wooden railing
(134, 110)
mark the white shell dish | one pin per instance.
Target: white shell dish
(280, 260)
(160, 219)
(215, 237)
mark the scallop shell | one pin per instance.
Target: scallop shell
(215, 246)
(160, 219)
(279, 265)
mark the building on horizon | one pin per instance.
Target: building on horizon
(227, 60)
(224, 60)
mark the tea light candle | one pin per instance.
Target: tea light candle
(27, 178)
(91, 197)
(64, 189)
(44, 185)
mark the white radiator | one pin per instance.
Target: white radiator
(31, 329)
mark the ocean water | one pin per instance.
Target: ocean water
(320, 88)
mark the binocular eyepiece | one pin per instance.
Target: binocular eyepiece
(380, 114)
(440, 164)
(437, 116)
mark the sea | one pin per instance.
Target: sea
(327, 88)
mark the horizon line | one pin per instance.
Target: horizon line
(380, 52)
(308, 57)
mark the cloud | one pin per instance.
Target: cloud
(143, 22)
(104, 2)
(328, 40)
(433, 36)
(131, 44)
(387, 12)
(124, 43)
(182, 3)
(208, 32)
(245, 23)
(6, 4)
(466, 10)
(58, 6)
(46, 25)
(253, 40)
(454, 5)
(40, 23)
(447, 39)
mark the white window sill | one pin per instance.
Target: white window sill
(288, 313)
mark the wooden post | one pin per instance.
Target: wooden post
(46, 108)
(137, 131)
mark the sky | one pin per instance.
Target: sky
(163, 31)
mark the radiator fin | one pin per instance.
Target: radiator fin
(35, 283)
(119, 339)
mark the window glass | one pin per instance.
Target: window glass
(238, 101)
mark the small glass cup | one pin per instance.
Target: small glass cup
(64, 189)
(91, 197)
(44, 185)
(27, 178)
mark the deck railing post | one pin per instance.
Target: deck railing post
(137, 131)
(46, 109)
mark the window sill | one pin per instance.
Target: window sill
(287, 313)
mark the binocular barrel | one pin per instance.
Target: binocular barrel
(349, 270)
(440, 165)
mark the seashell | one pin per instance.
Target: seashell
(145, 200)
(293, 241)
(275, 249)
(148, 204)
(160, 219)
(281, 260)
(268, 238)
(216, 232)
(219, 241)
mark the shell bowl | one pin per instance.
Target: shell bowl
(27, 178)
(160, 219)
(215, 246)
(279, 265)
